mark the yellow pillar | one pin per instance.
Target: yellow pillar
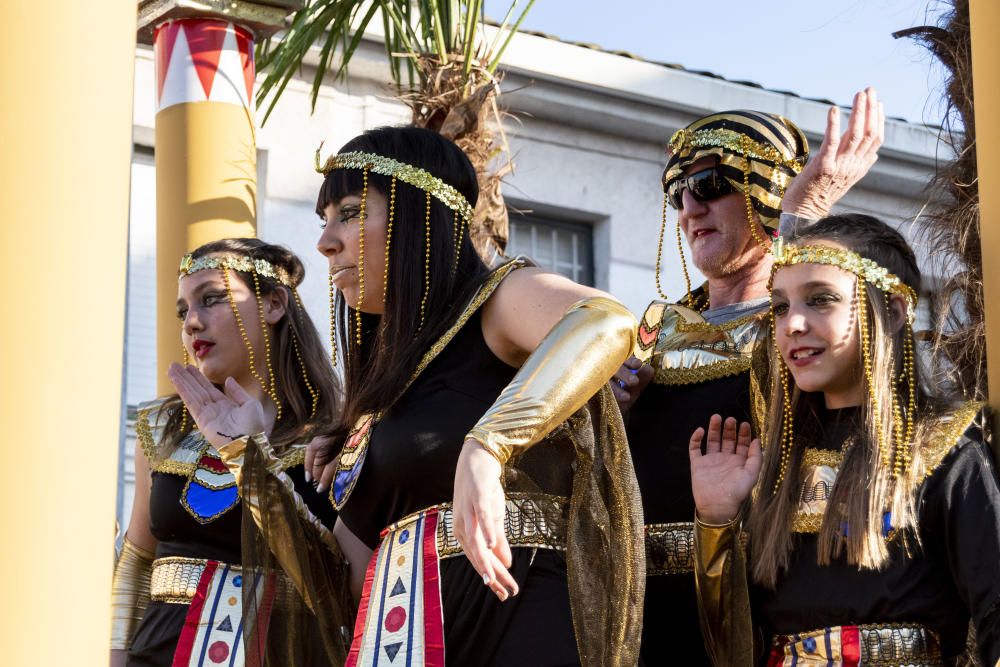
(66, 130)
(985, 26)
(206, 153)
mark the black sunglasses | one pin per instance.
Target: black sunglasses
(704, 185)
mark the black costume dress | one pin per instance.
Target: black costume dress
(915, 610)
(411, 466)
(700, 369)
(572, 519)
(195, 513)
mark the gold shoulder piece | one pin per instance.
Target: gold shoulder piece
(689, 350)
(148, 430)
(947, 435)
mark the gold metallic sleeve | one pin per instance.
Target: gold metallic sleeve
(129, 592)
(574, 360)
(723, 594)
(265, 507)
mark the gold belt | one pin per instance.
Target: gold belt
(880, 645)
(532, 520)
(175, 579)
(669, 548)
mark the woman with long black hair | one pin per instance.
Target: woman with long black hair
(486, 498)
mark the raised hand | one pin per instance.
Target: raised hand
(221, 417)
(841, 161)
(480, 506)
(724, 475)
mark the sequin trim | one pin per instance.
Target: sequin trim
(241, 263)
(714, 371)
(788, 254)
(386, 166)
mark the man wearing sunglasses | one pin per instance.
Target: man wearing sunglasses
(732, 177)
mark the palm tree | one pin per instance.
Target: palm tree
(443, 67)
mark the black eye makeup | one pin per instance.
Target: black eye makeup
(349, 212)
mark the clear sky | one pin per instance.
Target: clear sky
(813, 48)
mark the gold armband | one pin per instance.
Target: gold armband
(574, 360)
(129, 593)
(723, 593)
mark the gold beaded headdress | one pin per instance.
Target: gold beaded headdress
(386, 166)
(433, 186)
(257, 268)
(867, 271)
(758, 153)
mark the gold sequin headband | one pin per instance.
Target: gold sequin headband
(386, 166)
(869, 270)
(242, 263)
(684, 141)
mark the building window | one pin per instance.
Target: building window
(563, 247)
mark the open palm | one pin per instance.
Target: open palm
(221, 417)
(724, 475)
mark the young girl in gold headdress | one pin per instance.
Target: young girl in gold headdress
(179, 589)
(874, 526)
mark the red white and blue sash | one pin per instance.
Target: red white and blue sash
(214, 626)
(400, 620)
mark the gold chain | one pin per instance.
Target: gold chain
(272, 390)
(388, 237)
(787, 436)
(659, 250)
(361, 255)
(427, 258)
(333, 322)
(245, 337)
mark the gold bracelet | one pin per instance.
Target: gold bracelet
(129, 592)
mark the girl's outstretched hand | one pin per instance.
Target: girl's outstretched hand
(724, 475)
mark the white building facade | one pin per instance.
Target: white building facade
(589, 147)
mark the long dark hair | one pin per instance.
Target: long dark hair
(394, 342)
(864, 488)
(299, 422)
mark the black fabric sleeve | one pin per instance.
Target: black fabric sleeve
(962, 505)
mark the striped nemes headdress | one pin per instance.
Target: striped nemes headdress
(759, 153)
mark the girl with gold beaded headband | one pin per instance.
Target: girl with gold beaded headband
(874, 492)
(241, 319)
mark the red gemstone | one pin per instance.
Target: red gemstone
(395, 618)
(218, 652)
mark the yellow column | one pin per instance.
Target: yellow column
(206, 152)
(985, 24)
(66, 130)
